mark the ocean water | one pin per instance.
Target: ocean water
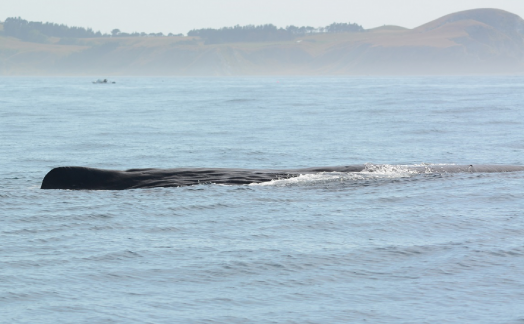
(382, 247)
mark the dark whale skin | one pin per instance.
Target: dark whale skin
(83, 178)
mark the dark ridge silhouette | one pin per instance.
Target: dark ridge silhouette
(82, 178)
(266, 33)
(39, 32)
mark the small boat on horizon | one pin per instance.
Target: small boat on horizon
(104, 81)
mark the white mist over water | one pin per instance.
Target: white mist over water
(386, 245)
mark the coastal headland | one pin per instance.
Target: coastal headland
(479, 41)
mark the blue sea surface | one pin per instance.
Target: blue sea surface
(386, 247)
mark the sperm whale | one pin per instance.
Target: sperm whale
(84, 178)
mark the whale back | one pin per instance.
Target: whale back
(80, 178)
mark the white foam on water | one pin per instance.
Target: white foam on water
(403, 170)
(391, 170)
(370, 172)
(308, 179)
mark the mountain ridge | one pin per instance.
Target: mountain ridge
(477, 41)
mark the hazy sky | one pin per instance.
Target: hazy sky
(180, 16)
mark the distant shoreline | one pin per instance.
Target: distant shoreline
(473, 42)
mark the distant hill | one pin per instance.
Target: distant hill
(387, 28)
(495, 18)
(474, 41)
(479, 41)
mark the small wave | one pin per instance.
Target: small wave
(239, 100)
(114, 256)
